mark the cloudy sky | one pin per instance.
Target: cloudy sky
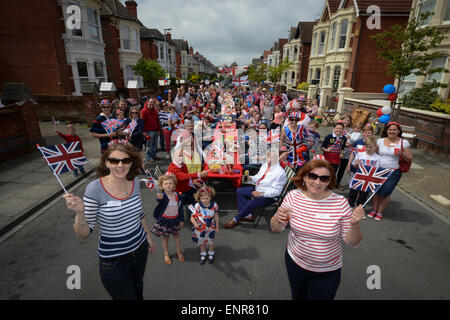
(228, 30)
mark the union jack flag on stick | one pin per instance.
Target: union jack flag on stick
(111, 125)
(63, 158)
(150, 182)
(369, 179)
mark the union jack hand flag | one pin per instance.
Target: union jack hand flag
(131, 126)
(150, 182)
(369, 178)
(111, 125)
(64, 157)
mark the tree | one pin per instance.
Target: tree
(257, 73)
(150, 71)
(274, 73)
(407, 51)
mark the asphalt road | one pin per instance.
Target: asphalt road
(410, 249)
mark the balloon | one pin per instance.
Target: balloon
(379, 112)
(389, 89)
(385, 118)
(165, 91)
(386, 110)
(392, 97)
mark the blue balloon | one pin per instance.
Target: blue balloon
(385, 118)
(389, 89)
(165, 91)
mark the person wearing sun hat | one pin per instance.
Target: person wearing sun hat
(97, 130)
(295, 136)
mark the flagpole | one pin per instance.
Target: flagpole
(57, 177)
(371, 196)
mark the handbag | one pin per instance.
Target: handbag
(404, 165)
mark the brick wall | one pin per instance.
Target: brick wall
(432, 130)
(368, 72)
(67, 108)
(19, 131)
(31, 48)
(111, 38)
(305, 51)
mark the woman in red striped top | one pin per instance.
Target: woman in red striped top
(319, 218)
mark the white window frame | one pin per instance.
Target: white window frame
(313, 47)
(343, 35)
(92, 25)
(326, 79)
(126, 38)
(82, 79)
(436, 64)
(333, 36)
(336, 78)
(432, 6)
(321, 50)
(99, 78)
(446, 16)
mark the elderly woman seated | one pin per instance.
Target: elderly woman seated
(268, 183)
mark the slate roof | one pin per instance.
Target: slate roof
(117, 9)
(386, 6)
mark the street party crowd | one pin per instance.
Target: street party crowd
(251, 136)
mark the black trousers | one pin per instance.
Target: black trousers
(123, 277)
(308, 285)
(361, 195)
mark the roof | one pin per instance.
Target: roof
(151, 34)
(117, 9)
(334, 5)
(391, 6)
(304, 30)
(181, 44)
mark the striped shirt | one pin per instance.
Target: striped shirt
(316, 229)
(119, 220)
(163, 119)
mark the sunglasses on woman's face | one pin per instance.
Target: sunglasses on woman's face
(294, 119)
(313, 176)
(134, 112)
(116, 161)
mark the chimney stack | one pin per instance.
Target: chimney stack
(132, 7)
(168, 36)
(191, 50)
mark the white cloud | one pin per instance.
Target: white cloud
(228, 30)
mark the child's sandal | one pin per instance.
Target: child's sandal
(167, 259)
(180, 256)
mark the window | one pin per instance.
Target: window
(333, 36)
(293, 78)
(134, 41)
(126, 38)
(93, 23)
(426, 6)
(129, 74)
(316, 79)
(343, 34)
(437, 63)
(310, 75)
(313, 47)
(326, 79)
(322, 43)
(99, 75)
(408, 83)
(336, 78)
(447, 12)
(83, 74)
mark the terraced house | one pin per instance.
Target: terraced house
(342, 53)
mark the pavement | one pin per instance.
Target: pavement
(27, 184)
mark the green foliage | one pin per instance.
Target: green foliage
(440, 106)
(194, 78)
(420, 98)
(257, 73)
(150, 71)
(304, 86)
(406, 48)
(274, 73)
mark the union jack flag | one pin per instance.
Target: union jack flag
(131, 126)
(150, 182)
(111, 125)
(369, 178)
(63, 157)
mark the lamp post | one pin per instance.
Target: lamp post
(166, 49)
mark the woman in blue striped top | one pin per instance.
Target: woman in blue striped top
(113, 201)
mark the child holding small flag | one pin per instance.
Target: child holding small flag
(71, 136)
(368, 158)
(205, 219)
(169, 215)
(333, 146)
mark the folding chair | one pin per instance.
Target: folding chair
(278, 200)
